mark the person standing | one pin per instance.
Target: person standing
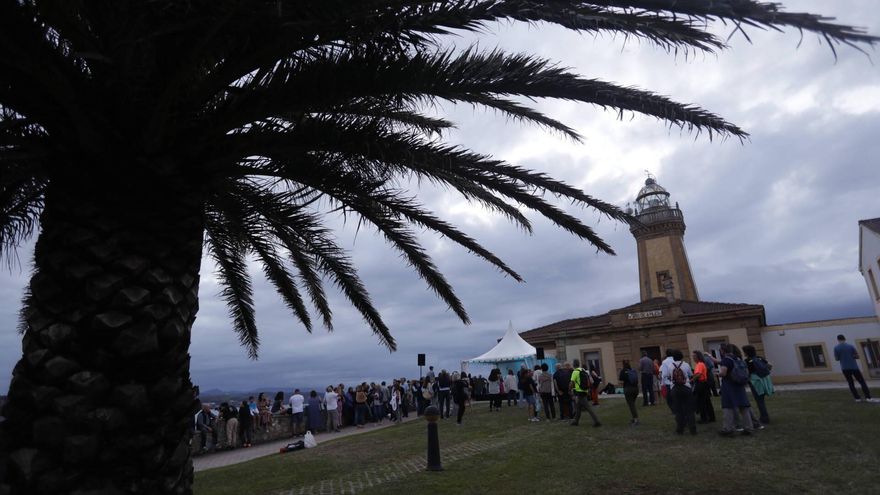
(313, 410)
(734, 376)
(430, 375)
(230, 415)
(702, 392)
(360, 410)
(419, 394)
(529, 391)
(595, 380)
(579, 386)
(561, 379)
(759, 381)
(666, 379)
(330, 405)
(629, 380)
(297, 402)
(847, 355)
(395, 403)
(460, 394)
(646, 369)
(545, 388)
(682, 395)
(245, 424)
(495, 390)
(444, 386)
(709, 361)
(511, 386)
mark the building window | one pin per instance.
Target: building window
(593, 361)
(662, 278)
(874, 283)
(713, 346)
(813, 357)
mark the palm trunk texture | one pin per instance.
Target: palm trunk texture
(101, 400)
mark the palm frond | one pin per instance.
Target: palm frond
(325, 84)
(240, 222)
(310, 244)
(229, 254)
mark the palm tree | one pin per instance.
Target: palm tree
(135, 135)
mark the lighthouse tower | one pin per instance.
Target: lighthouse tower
(664, 269)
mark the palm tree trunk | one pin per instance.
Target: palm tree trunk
(101, 400)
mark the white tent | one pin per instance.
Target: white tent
(511, 348)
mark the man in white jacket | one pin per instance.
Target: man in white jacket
(331, 405)
(666, 378)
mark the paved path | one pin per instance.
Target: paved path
(873, 385)
(228, 457)
(400, 469)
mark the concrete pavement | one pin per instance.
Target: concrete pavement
(228, 457)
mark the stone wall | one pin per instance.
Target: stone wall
(279, 428)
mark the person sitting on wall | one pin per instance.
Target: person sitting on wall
(205, 425)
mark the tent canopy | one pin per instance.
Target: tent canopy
(511, 348)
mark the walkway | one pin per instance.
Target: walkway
(228, 457)
(873, 385)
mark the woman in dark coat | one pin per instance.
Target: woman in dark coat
(314, 412)
(246, 424)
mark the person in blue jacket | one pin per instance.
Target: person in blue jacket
(847, 355)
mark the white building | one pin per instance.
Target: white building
(869, 258)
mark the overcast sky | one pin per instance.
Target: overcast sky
(772, 221)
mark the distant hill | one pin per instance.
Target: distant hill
(215, 395)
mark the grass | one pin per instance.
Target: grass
(818, 442)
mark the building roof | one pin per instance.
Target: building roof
(688, 308)
(872, 224)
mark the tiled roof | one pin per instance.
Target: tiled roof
(698, 307)
(687, 308)
(873, 224)
(589, 321)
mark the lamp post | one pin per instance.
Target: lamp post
(432, 414)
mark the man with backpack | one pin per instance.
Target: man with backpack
(734, 376)
(629, 379)
(666, 379)
(580, 387)
(682, 397)
(759, 381)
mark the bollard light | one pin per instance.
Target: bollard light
(432, 414)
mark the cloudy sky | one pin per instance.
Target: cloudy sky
(772, 221)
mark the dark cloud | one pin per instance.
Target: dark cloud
(770, 221)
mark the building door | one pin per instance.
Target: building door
(593, 361)
(653, 352)
(871, 351)
(713, 346)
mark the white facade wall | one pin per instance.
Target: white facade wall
(869, 248)
(781, 346)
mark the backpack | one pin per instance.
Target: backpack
(632, 377)
(678, 376)
(740, 372)
(584, 380)
(762, 367)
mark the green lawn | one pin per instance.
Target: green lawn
(818, 442)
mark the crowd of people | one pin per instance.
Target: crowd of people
(688, 389)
